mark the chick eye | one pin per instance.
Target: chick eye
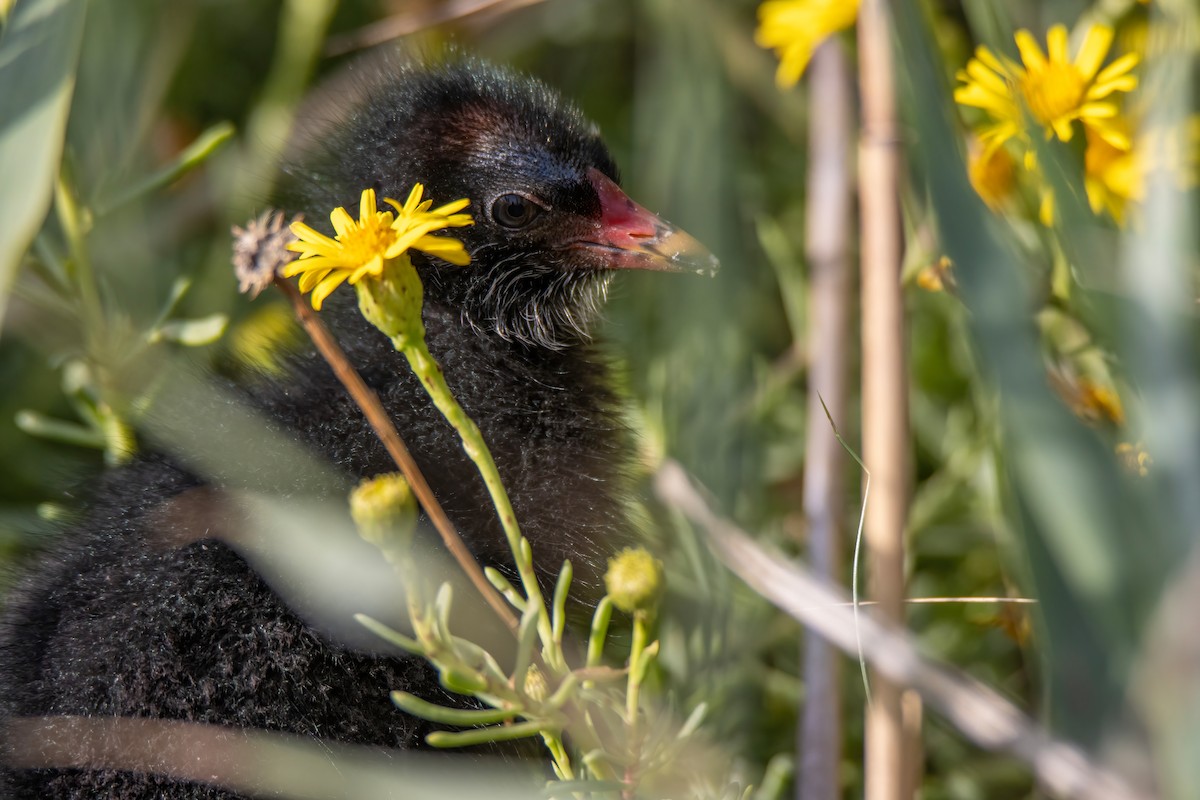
(514, 211)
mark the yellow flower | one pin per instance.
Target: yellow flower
(1112, 177)
(1054, 90)
(794, 29)
(934, 277)
(992, 172)
(362, 247)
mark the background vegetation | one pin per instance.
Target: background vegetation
(176, 113)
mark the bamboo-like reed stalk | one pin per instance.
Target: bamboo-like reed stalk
(827, 235)
(884, 386)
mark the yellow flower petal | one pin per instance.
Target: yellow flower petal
(326, 287)
(1094, 49)
(367, 245)
(366, 204)
(1031, 51)
(1056, 45)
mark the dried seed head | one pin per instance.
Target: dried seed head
(260, 251)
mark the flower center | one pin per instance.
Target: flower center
(1053, 92)
(362, 244)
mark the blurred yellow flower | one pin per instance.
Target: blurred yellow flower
(794, 29)
(1134, 458)
(1055, 90)
(361, 247)
(934, 277)
(1113, 177)
(992, 172)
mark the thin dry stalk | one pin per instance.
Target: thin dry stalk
(368, 401)
(884, 387)
(411, 21)
(827, 234)
(979, 712)
(248, 762)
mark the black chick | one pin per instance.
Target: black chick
(136, 614)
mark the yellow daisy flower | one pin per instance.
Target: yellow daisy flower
(794, 29)
(364, 246)
(1054, 90)
(1112, 177)
(993, 173)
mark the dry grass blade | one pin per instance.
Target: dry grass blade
(419, 19)
(255, 763)
(976, 710)
(890, 774)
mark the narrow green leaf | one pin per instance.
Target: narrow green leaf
(504, 587)
(526, 641)
(193, 156)
(461, 680)
(559, 612)
(191, 332)
(57, 430)
(450, 716)
(600, 620)
(643, 665)
(564, 691)
(389, 635)
(39, 50)
(497, 733)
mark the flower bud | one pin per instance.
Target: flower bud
(385, 512)
(634, 580)
(392, 302)
(536, 688)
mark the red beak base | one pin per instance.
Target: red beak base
(636, 238)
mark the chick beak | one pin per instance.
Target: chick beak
(635, 238)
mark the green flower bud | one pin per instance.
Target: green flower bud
(392, 302)
(385, 512)
(634, 580)
(536, 688)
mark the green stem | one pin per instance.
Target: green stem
(450, 716)
(495, 733)
(641, 634)
(558, 752)
(431, 377)
(72, 217)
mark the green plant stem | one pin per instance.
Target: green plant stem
(641, 635)
(373, 410)
(558, 752)
(431, 377)
(72, 217)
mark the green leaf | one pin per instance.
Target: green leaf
(191, 332)
(450, 716)
(559, 618)
(389, 635)
(505, 588)
(193, 156)
(57, 430)
(599, 632)
(39, 50)
(498, 733)
(462, 681)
